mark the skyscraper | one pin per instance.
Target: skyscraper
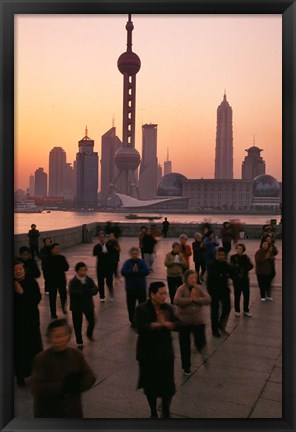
(127, 158)
(69, 183)
(31, 189)
(253, 165)
(109, 146)
(167, 165)
(86, 173)
(40, 182)
(148, 167)
(57, 167)
(224, 142)
(159, 173)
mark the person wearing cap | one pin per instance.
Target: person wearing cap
(190, 299)
(175, 263)
(185, 250)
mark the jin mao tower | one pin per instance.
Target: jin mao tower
(224, 142)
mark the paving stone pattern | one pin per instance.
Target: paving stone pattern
(240, 376)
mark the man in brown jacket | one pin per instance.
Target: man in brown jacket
(59, 376)
(190, 299)
(175, 263)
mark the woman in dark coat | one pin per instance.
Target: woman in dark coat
(27, 337)
(114, 248)
(274, 251)
(240, 265)
(226, 237)
(198, 249)
(56, 267)
(148, 249)
(82, 289)
(264, 270)
(154, 321)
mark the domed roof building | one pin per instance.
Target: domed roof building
(171, 185)
(266, 186)
(266, 193)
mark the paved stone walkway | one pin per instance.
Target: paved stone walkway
(239, 377)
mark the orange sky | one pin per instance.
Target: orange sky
(66, 77)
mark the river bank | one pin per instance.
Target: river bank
(69, 237)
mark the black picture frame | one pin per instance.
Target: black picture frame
(8, 9)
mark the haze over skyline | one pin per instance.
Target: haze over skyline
(66, 77)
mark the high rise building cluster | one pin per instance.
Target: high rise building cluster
(124, 173)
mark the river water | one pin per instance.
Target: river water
(67, 219)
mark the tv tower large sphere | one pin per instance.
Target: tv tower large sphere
(127, 158)
(129, 63)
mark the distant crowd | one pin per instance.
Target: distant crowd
(60, 373)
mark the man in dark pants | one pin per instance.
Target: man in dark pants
(81, 290)
(134, 271)
(165, 227)
(104, 266)
(34, 235)
(57, 265)
(217, 284)
(45, 253)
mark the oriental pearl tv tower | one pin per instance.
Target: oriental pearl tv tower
(127, 158)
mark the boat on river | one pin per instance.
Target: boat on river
(135, 216)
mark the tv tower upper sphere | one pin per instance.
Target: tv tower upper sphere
(129, 63)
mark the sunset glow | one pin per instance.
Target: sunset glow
(66, 77)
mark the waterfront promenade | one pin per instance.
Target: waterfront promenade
(239, 377)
